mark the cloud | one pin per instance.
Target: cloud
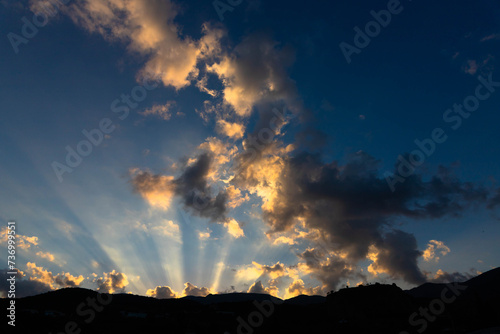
(148, 29)
(22, 241)
(46, 255)
(163, 111)
(328, 268)
(255, 73)
(231, 130)
(193, 290)
(112, 282)
(61, 280)
(161, 292)
(234, 229)
(446, 277)
(167, 228)
(259, 271)
(298, 288)
(193, 189)
(284, 240)
(258, 287)
(204, 235)
(24, 286)
(490, 37)
(235, 197)
(398, 255)
(353, 209)
(433, 246)
(471, 67)
(158, 190)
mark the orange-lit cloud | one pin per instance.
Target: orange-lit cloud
(258, 287)
(161, 292)
(234, 229)
(148, 29)
(163, 111)
(158, 190)
(46, 255)
(432, 247)
(231, 130)
(44, 276)
(22, 241)
(193, 290)
(112, 282)
(298, 288)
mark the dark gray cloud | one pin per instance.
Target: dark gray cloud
(398, 255)
(192, 187)
(24, 286)
(355, 209)
(331, 271)
(257, 287)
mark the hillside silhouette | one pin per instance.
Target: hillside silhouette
(375, 308)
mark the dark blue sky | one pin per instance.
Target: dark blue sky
(311, 209)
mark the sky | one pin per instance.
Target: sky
(172, 148)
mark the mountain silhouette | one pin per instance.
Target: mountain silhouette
(375, 308)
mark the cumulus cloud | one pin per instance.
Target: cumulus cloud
(161, 292)
(193, 290)
(61, 280)
(148, 29)
(433, 246)
(235, 196)
(22, 241)
(24, 286)
(397, 256)
(255, 73)
(256, 270)
(234, 229)
(354, 209)
(298, 288)
(158, 190)
(112, 282)
(193, 189)
(329, 268)
(194, 184)
(258, 287)
(231, 130)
